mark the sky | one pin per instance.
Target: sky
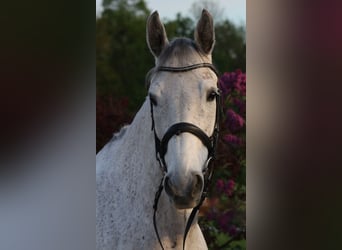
(234, 10)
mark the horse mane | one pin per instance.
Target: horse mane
(179, 48)
(120, 134)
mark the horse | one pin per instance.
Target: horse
(169, 145)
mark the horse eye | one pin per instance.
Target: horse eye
(153, 99)
(212, 95)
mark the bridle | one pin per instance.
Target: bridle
(184, 127)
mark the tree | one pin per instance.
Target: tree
(181, 27)
(139, 7)
(230, 47)
(212, 6)
(122, 56)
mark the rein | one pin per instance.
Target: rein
(176, 129)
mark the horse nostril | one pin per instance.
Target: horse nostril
(197, 184)
(167, 185)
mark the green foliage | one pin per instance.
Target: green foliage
(137, 6)
(230, 47)
(122, 56)
(180, 27)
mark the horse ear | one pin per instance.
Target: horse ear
(205, 33)
(155, 34)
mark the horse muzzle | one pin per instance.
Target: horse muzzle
(186, 194)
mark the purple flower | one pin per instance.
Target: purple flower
(226, 83)
(211, 215)
(233, 140)
(240, 86)
(220, 185)
(229, 187)
(240, 106)
(224, 221)
(231, 81)
(232, 230)
(234, 121)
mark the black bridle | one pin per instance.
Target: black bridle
(182, 127)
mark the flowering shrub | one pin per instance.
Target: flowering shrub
(223, 215)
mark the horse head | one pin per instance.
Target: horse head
(183, 94)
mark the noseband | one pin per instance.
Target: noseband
(177, 129)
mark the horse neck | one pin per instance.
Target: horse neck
(170, 221)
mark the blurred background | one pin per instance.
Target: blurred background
(48, 130)
(122, 61)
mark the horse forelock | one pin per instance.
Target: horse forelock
(178, 53)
